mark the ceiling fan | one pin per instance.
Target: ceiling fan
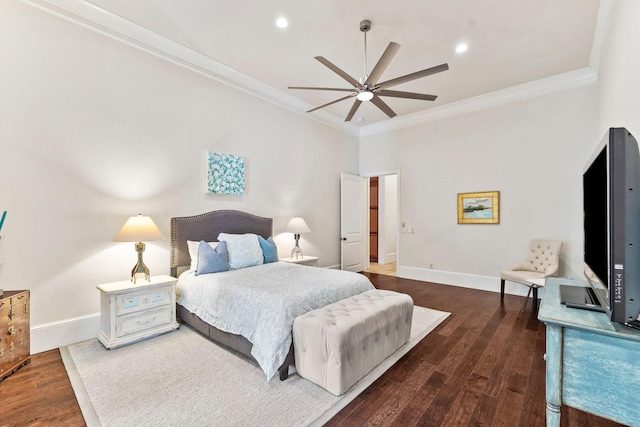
(368, 88)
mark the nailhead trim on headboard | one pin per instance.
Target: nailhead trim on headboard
(207, 226)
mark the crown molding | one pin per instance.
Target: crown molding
(569, 80)
(97, 19)
(606, 16)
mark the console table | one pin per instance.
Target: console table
(592, 363)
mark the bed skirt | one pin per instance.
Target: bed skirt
(233, 341)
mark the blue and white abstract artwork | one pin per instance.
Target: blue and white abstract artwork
(225, 174)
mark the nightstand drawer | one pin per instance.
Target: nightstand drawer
(137, 301)
(137, 322)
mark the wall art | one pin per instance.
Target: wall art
(479, 208)
(225, 174)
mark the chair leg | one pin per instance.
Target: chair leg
(535, 299)
(501, 288)
(526, 298)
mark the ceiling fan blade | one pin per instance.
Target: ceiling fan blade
(381, 105)
(413, 76)
(382, 64)
(408, 95)
(338, 71)
(321, 88)
(353, 110)
(329, 103)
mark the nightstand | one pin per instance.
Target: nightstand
(305, 260)
(133, 312)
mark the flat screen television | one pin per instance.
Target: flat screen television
(611, 216)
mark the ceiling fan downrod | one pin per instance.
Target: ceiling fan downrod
(365, 25)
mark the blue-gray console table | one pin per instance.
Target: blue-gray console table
(593, 364)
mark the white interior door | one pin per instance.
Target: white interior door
(354, 222)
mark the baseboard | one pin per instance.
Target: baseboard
(464, 280)
(64, 332)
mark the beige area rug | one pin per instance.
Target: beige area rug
(182, 378)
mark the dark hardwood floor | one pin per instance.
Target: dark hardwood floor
(39, 394)
(482, 367)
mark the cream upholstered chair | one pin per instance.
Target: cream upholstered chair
(543, 261)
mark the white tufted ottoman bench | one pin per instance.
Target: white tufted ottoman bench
(338, 344)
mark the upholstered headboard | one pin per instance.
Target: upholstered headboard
(207, 226)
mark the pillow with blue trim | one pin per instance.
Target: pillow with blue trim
(212, 260)
(269, 249)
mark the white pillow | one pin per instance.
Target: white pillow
(244, 250)
(193, 252)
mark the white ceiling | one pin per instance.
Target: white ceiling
(510, 43)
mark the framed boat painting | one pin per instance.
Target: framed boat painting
(479, 208)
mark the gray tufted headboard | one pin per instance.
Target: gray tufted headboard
(207, 226)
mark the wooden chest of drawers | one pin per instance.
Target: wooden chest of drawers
(132, 312)
(15, 347)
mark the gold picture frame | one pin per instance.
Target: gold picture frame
(479, 208)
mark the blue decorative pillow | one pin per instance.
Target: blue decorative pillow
(212, 260)
(269, 249)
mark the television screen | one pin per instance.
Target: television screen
(596, 223)
(611, 209)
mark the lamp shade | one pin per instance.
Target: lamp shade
(297, 226)
(137, 229)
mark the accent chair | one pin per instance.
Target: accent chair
(543, 261)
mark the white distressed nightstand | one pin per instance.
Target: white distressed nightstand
(130, 313)
(305, 260)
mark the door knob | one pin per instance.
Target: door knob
(344, 238)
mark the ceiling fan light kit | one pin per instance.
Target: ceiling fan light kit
(367, 87)
(365, 95)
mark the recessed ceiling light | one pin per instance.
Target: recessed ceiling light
(462, 47)
(282, 22)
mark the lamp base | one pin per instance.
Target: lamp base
(140, 268)
(296, 252)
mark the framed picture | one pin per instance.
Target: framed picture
(479, 208)
(225, 174)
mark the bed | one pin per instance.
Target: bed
(285, 290)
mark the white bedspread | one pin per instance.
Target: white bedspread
(261, 302)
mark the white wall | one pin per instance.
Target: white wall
(94, 131)
(618, 83)
(531, 151)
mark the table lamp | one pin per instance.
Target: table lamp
(297, 226)
(137, 229)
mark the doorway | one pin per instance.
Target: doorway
(373, 219)
(383, 223)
